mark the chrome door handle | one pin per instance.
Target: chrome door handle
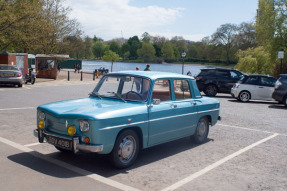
(193, 103)
(174, 106)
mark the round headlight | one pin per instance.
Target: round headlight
(84, 126)
(41, 115)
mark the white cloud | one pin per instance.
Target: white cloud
(109, 18)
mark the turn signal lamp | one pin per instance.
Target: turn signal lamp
(87, 140)
(41, 124)
(71, 130)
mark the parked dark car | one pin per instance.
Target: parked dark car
(280, 93)
(217, 80)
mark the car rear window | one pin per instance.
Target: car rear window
(6, 67)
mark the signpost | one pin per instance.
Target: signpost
(183, 54)
(281, 56)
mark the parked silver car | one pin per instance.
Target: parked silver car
(11, 75)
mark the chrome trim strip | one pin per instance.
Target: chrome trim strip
(130, 124)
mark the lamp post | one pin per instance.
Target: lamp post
(281, 56)
(183, 54)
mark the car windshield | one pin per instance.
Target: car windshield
(7, 67)
(129, 88)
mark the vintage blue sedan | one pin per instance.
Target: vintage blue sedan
(126, 112)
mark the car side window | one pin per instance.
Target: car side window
(222, 73)
(234, 75)
(161, 90)
(252, 80)
(266, 81)
(181, 89)
(195, 89)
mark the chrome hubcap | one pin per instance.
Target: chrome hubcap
(244, 96)
(127, 149)
(201, 129)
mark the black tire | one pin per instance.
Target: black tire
(202, 130)
(33, 81)
(244, 96)
(210, 90)
(285, 101)
(125, 150)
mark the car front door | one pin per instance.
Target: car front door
(168, 120)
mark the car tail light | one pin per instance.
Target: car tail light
(199, 78)
(19, 75)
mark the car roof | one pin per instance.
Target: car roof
(260, 75)
(151, 74)
(218, 69)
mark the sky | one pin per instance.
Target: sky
(190, 19)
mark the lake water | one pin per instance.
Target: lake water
(121, 66)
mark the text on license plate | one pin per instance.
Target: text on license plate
(9, 75)
(63, 143)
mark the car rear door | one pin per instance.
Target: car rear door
(266, 88)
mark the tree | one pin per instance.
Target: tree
(88, 44)
(224, 36)
(111, 56)
(146, 37)
(146, 52)
(17, 24)
(255, 60)
(99, 49)
(115, 47)
(246, 36)
(134, 44)
(167, 51)
(73, 46)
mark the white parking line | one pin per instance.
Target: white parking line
(216, 164)
(32, 144)
(249, 129)
(68, 166)
(7, 109)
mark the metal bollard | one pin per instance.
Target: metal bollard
(81, 76)
(68, 75)
(94, 73)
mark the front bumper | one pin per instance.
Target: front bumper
(42, 136)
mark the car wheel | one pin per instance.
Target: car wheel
(244, 96)
(33, 81)
(125, 150)
(201, 131)
(285, 101)
(210, 90)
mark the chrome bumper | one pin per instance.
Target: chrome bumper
(42, 136)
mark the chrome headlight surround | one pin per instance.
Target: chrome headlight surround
(41, 115)
(84, 126)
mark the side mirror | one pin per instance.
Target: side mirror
(156, 101)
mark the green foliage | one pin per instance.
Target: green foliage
(255, 61)
(111, 56)
(146, 52)
(167, 51)
(115, 47)
(133, 45)
(99, 49)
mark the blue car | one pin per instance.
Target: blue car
(126, 112)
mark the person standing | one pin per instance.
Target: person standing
(147, 68)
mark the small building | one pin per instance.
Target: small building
(17, 59)
(47, 65)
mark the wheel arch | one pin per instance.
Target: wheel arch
(137, 130)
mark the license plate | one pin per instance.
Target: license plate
(9, 75)
(60, 142)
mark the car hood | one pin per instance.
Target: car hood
(94, 108)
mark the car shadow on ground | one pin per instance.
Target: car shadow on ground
(278, 106)
(254, 102)
(100, 164)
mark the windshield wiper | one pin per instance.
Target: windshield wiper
(95, 94)
(118, 96)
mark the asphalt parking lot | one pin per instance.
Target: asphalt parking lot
(245, 151)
